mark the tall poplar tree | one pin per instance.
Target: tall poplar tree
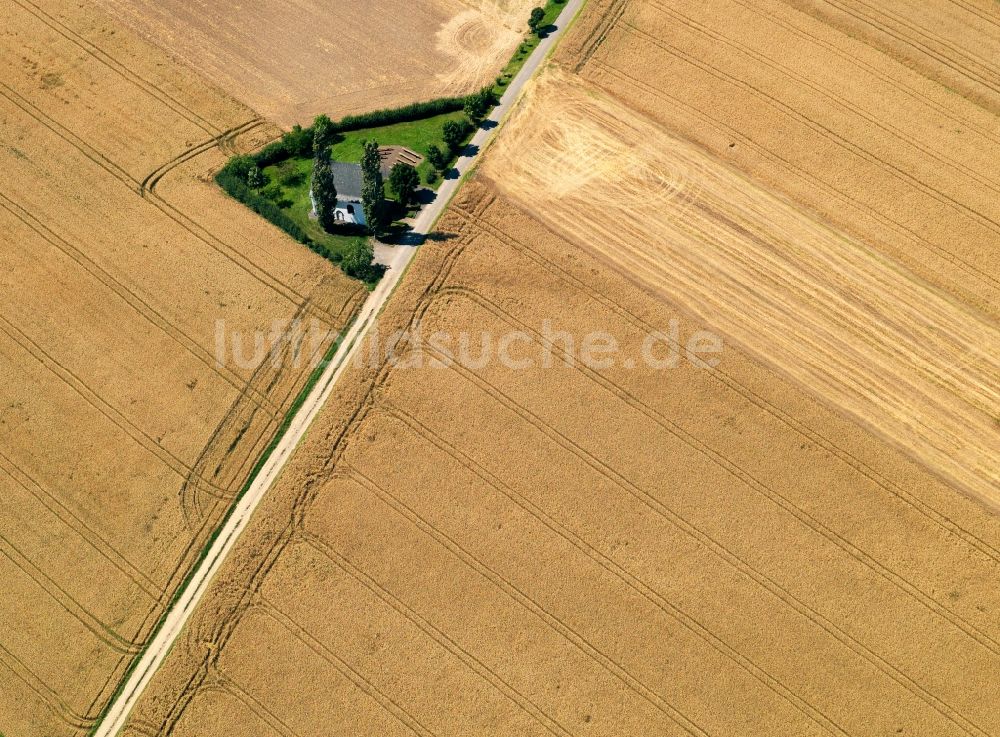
(372, 188)
(324, 191)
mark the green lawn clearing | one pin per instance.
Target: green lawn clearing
(418, 135)
(288, 185)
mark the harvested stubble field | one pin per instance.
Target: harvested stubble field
(292, 61)
(121, 438)
(573, 551)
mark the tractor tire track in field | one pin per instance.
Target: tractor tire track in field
(223, 684)
(962, 61)
(383, 700)
(854, 328)
(440, 637)
(92, 398)
(610, 18)
(121, 69)
(67, 602)
(822, 130)
(633, 582)
(223, 141)
(856, 61)
(86, 534)
(973, 541)
(53, 701)
(773, 587)
(233, 609)
(821, 92)
(983, 277)
(127, 295)
(192, 227)
(579, 641)
(739, 474)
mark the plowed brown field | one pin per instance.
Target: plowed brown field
(121, 438)
(290, 62)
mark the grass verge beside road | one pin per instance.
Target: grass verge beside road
(293, 409)
(552, 10)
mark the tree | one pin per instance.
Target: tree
(455, 133)
(324, 191)
(403, 181)
(255, 177)
(358, 261)
(535, 21)
(437, 157)
(372, 187)
(323, 132)
(298, 141)
(478, 104)
(240, 167)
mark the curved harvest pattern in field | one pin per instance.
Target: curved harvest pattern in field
(847, 323)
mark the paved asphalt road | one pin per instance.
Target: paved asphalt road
(397, 260)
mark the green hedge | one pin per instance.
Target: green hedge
(298, 141)
(237, 188)
(406, 114)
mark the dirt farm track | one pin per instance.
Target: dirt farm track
(800, 541)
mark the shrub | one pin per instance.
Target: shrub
(535, 21)
(403, 181)
(437, 157)
(289, 174)
(299, 141)
(454, 134)
(272, 192)
(357, 262)
(236, 188)
(240, 167)
(478, 104)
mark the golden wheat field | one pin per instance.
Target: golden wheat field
(566, 550)
(121, 437)
(797, 537)
(292, 62)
